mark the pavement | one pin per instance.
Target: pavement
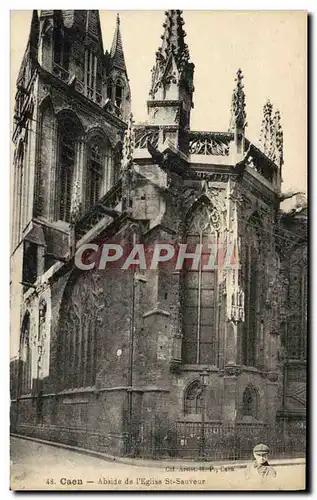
(42, 465)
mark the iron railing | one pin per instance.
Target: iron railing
(218, 441)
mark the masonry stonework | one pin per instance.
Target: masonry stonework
(113, 359)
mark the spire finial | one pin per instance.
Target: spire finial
(271, 136)
(277, 139)
(266, 135)
(238, 113)
(173, 44)
(116, 52)
(173, 39)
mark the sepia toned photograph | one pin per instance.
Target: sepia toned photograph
(158, 261)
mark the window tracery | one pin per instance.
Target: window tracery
(68, 140)
(194, 399)
(94, 174)
(119, 93)
(253, 289)
(100, 169)
(90, 74)
(250, 402)
(77, 334)
(297, 305)
(200, 290)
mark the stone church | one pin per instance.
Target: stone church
(138, 362)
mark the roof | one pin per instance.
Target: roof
(116, 52)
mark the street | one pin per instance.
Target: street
(37, 466)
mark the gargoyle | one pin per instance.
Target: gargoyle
(239, 167)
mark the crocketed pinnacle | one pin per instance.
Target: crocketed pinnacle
(238, 113)
(173, 39)
(277, 138)
(271, 137)
(267, 128)
(116, 53)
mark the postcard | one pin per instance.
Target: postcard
(159, 274)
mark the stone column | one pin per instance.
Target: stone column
(79, 175)
(176, 322)
(229, 409)
(230, 352)
(54, 173)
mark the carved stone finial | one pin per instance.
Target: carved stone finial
(271, 136)
(277, 139)
(173, 44)
(266, 137)
(238, 113)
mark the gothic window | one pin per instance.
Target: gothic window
(250, 402)
(77, 330)
(253, 288)
(61, 48)
(19, 186)
(194, 399)
(94, 174)
(30, 262)
(109, 89)
(25, 356)
(100, 169)
(66, 164)
(297, 305)
(44, 163)
(90, 74)
(199, 290)
(20, 100)
(116, 162)
(119, 93)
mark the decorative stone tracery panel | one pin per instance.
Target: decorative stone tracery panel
(80, 319)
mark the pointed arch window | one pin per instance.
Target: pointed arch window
(194, 399)
(100, 169)
(67, 158)
(250, 401)
(94, 173)
(297, 304)
(19, 188)
(61, 53)
(109, 89)
(253, 289)
(25, 356)
(77, 330)
(90, 73)
(119, 92)
(199, 293)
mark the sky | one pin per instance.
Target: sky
(269, 47)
